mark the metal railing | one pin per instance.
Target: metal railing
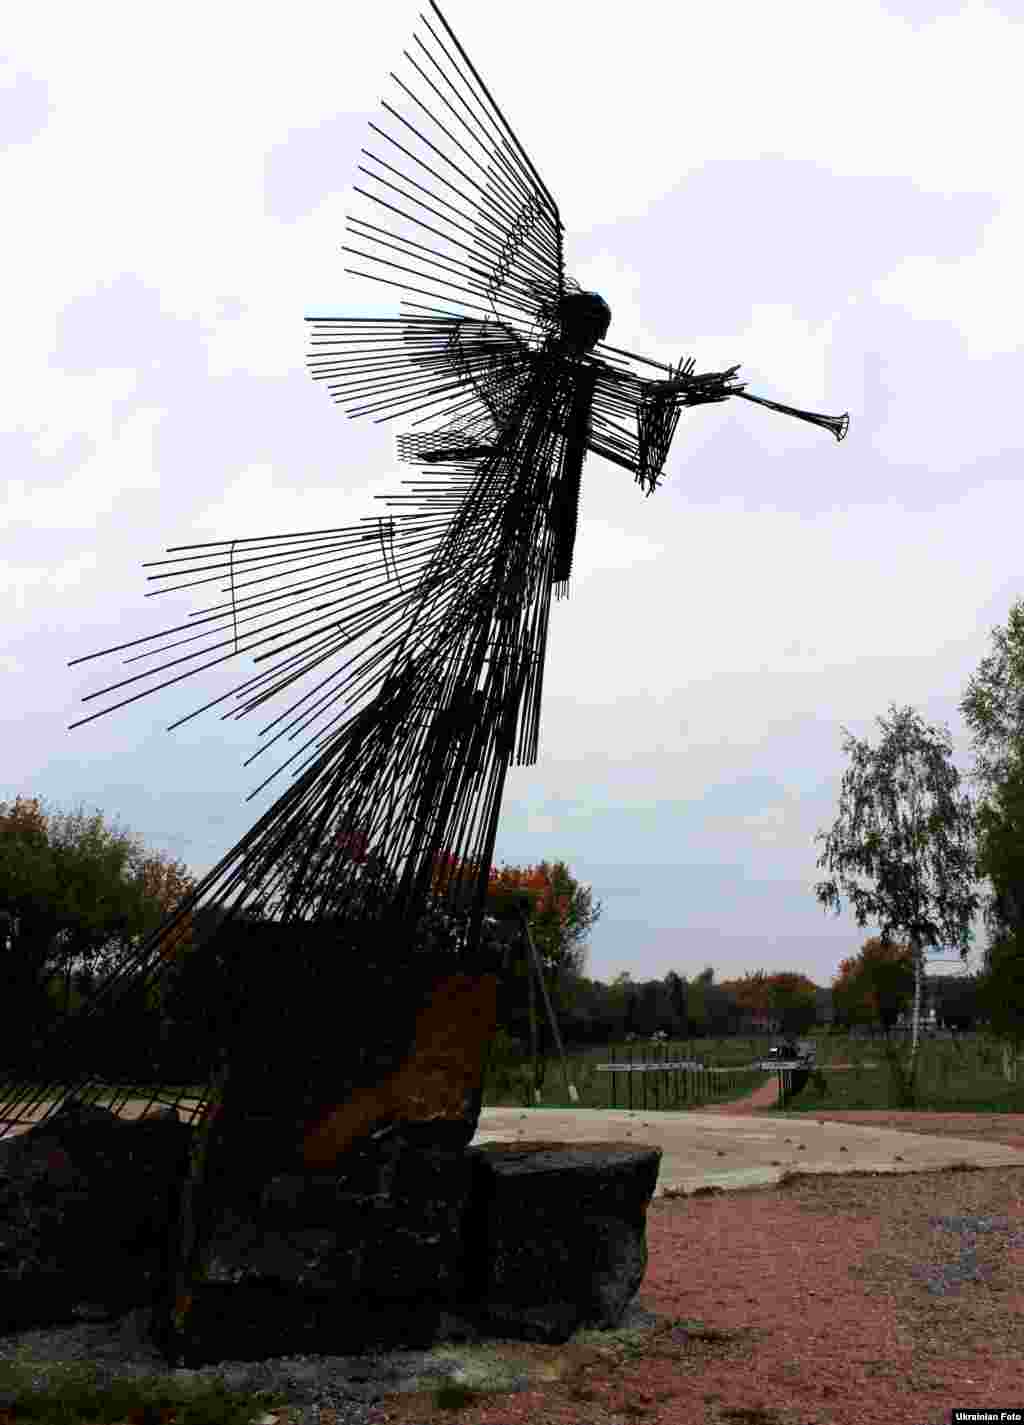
(793, 1073)
(674, 1082)
(683, 1083)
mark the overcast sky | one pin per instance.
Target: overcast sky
(830, 195)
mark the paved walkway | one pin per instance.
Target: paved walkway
(732, 1146)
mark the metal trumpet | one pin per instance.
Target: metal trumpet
(838, 425)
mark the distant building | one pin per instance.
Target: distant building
(931, 1004)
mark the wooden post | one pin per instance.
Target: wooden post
(1012, 1054)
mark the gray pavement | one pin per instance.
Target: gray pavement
(701, 1149)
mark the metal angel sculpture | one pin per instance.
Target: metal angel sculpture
(423, 632)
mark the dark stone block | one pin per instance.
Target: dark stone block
(86, 1204)
(384, 1226)
(403, 1245)
(558, 1234)
(252, 1323)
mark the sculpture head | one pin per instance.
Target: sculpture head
(584, 318)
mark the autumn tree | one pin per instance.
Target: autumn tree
(751, 992)
(560, 912)
(788, 996)
(853, 1001)
(78, 891)
(902, 826)
(560, 919)
(876, 985)
(792, 1000)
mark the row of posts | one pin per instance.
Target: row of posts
(674, 1081)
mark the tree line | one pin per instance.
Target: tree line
(75, 893)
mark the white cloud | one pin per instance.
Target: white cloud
(178, 201)
(601, 548)
(980, 294)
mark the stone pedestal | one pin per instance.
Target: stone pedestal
(403, 1245)
(342, 1209)
(526, 1242)
(396, 1090)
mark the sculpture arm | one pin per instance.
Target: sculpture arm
(694, 390)
(652, 408)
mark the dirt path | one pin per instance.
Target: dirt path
(764, 1096)
(1006, 1128)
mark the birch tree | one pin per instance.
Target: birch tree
(902, 825)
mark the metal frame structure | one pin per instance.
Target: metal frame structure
(423, 634)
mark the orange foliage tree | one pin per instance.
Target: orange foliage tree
(560, 913)
(786, 995)
(751, 992)
(560, 916)
(876, 984)
(164, 885)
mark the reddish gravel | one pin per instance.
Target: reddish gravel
(1006, 1128)
(765, 1096)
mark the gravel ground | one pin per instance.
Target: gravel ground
(946, 1280)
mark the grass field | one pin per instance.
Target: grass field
(509, 1080)
(77, 1397)
(952, 1075)
(960, 1075)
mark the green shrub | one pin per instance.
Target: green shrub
(505, 1073)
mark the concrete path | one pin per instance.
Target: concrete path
(729, 1146)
